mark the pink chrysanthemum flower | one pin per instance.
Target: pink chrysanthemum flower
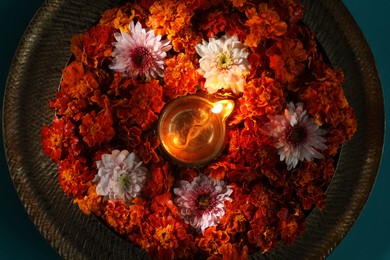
(139, 53)
(296, 136)
(201, 202)
(121, 176)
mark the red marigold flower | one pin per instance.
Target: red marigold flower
(161, 180)
(231, 251)
(59, 140)
(325, 101)
(77, 87)
(163, 205)
(77, 46)
(235, 220)
(218, 169)
(130, 134)
(264, 22)
(147, 149)
(97, 45)
(214, 23)
(168, 17)
(167, 238)
(146, 103)
(310, 182)
(287, 59)
(181, 76)
(289, 10)
(97, 128)
(291, 225)
(212, 240)
(74, 176)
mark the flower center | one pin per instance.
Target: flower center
(141, 58)
(56, 140)
(224, 60)
(124, 181)
(203, 201)
(163, 235)
(296, 135)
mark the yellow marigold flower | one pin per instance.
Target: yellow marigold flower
(90, 203)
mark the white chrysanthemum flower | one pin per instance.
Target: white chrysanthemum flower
(121, 176)
(139, 53)
(202, 202)
(224, 63)
(296, 136)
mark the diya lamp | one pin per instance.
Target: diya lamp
(192, 129)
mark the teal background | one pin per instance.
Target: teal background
(369, 238)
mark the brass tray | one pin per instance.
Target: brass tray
(34, 78)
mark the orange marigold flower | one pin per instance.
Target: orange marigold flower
(186, 39)
(74, 176)
(98, 45)
(120, 17)
(90, 203)
(146, 103)
(97, 128)
(287, 59)
(263, 22)
(59, 139)
(168, 17)
(117, 216)
(181, 76)
(263, 96)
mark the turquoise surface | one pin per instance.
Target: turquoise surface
(369, 237)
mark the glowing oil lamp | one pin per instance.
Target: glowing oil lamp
(192, 129)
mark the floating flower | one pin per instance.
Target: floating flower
(224, 63)
(296, 136)
(201, 202)
(139, 53)
(121, 176)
